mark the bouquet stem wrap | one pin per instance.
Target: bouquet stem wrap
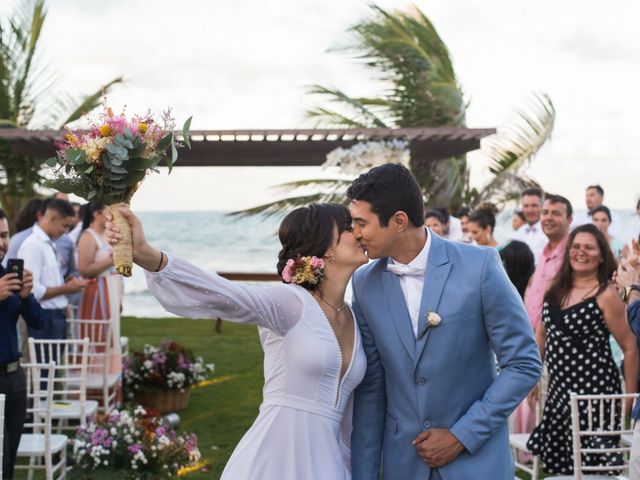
(123, 250)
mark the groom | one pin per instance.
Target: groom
(432, 315)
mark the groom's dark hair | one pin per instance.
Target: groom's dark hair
(389, 188)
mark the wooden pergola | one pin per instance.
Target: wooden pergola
(278, 148)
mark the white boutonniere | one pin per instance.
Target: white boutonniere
(433, 319)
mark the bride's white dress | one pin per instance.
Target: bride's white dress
(303, 429)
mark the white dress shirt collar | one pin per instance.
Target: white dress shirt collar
(412, 285)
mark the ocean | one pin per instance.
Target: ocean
(215, 241)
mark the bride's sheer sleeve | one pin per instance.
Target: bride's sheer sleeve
(188, 291)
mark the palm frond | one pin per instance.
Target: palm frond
(516, 143)
(363, 115)
(327, 184)
(90, 102)
(289, 203)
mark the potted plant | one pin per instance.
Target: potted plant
(161, 377)
(130, 444)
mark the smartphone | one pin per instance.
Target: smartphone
(16, 265)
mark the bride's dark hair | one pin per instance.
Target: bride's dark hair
(308, 231)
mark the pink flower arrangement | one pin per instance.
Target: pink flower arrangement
(303, 270)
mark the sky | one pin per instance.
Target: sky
(246, 64)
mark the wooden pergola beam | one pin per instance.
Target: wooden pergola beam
(277, 148)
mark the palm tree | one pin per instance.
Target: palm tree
(26, 101)
(407, 55)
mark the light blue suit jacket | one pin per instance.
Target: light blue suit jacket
(447, 377)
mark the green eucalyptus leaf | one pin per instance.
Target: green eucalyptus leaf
(51, 162)
(117, 152)
(76, 156)
(89, 170)
(119, 170)
(185, 132)
(135, 177)
(164, 142)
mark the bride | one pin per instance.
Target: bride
(313, 357)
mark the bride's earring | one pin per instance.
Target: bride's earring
(331, 257)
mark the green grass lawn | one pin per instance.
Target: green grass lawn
(220, 413)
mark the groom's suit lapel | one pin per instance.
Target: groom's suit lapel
(436, 274)
(401, 320)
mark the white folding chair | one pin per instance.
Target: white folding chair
(518, 441)
(102, 384)
(71, 358)
(42, 443)
(1, 431)
(600, 412)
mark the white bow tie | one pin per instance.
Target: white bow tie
(531, 229)
(400, 269)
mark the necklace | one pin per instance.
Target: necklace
(338, 310)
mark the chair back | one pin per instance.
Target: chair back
(603, 422)
(71, 359)
(40, 397)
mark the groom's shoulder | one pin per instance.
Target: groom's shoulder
(370, 270)
(464, 252)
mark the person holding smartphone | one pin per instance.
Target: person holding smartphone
(15, 300)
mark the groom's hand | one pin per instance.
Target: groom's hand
(437, 447)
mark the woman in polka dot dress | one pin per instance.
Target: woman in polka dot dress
(581, 308)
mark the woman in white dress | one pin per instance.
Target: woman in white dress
(312, 346)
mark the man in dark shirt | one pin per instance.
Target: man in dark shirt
(15, 300)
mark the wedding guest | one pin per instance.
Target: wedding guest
(601, 218)
(482, 223)
(463, 216)
(76, 229)
(633, 233)
(556, 219)
(594, 197)
(15, 300)
(25, 219)
(517, 220)
(40, 256)
(628, 282)
(102, 298)
(518, 262)
(452, 226)
(435, 221)
(580, 309)
(531, 233)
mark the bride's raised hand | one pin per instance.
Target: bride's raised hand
(143, 253)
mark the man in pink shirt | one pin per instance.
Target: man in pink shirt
(556, 222)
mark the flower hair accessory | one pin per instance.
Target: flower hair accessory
(303, 270)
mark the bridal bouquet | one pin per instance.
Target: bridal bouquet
(108, 162)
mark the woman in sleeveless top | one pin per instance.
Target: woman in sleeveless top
(580, 310)
(101, 299)
(313, 355)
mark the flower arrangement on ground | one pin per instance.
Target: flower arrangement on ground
(133, 444)
(169, 366)
(108, 162)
